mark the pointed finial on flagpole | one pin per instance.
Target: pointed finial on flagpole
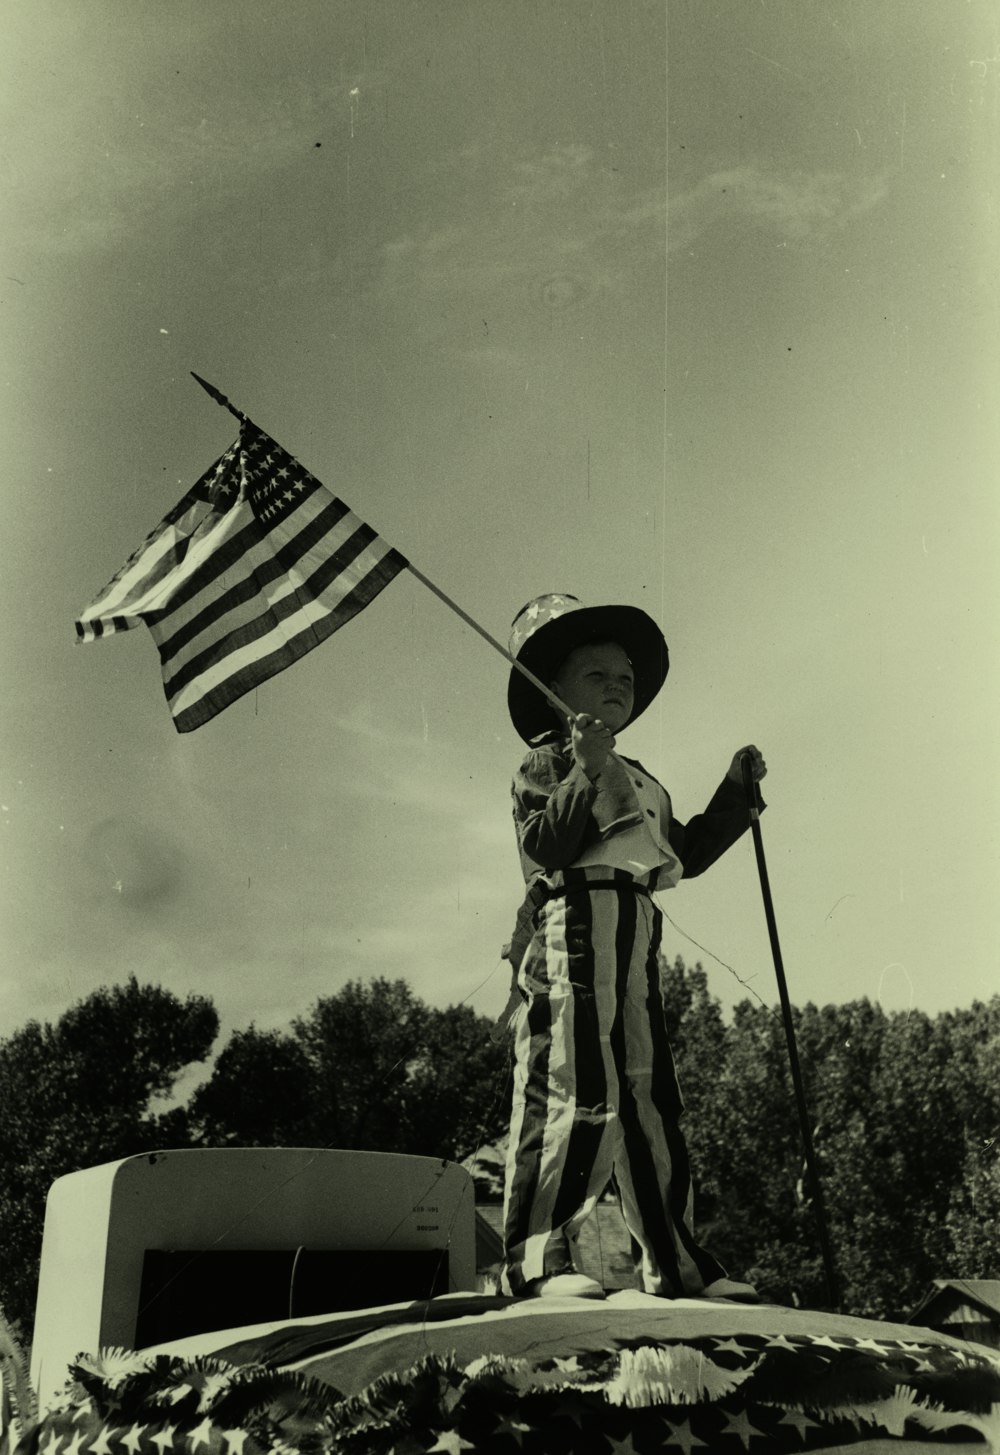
(218, 396)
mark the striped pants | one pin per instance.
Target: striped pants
(595, 1092)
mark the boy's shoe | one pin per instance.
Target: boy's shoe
(735, 1292)
(565, 1285)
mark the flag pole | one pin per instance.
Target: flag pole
(746, 768)
(218, 396)
(546, 692)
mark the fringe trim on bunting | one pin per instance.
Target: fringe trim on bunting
(744, 1393)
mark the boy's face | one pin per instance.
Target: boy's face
(598, 679)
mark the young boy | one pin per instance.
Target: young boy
(595, 1093)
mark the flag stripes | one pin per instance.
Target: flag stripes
(256, 566)
(595, 1090)
(243, 567)
(251, 654)
(120, 605)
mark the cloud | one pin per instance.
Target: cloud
(562, 228)
(794, 205)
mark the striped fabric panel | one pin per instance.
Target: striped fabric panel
(274, 565)
(146, 576)
(654, 1174)
(227, 670)
(596, 1095)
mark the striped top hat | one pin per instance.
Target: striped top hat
(547, 629)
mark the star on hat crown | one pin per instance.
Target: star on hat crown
(539, 613)
(549, 627)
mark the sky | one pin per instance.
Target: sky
(689, 306)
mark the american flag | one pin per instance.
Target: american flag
(444, 1379)
(254, 567)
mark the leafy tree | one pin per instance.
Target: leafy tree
(372, 1067)
(80, 1093)
(974, 1215)
(904, 1109)
(361, 1044)
(973, 1219)
(259, 1094)
(905, 1121)
(458, 1089)
(747, 1157)
(894, 1102)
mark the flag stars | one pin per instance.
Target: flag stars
(514, 1429)
(74, 1446)
(684, 1438)
(731, 1346)
(799, 1420)
(230, 608)
(164, 1439)
(202, 1434)
(133, 1440)
(102, 1445)
(623, 1444)
(738, 1424)
(450, 1442)
(272, 510)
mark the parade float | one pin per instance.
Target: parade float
(249, 1300)
(244, 1300)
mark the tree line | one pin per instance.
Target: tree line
(904, 1107)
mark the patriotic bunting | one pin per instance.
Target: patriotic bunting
(729, 1394)
(253, 568)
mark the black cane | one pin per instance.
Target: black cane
(746, 767)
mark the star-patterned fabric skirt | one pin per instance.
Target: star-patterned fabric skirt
(633, 1376)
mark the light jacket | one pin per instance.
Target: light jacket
(562, 819)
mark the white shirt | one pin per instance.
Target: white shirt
(642, 845)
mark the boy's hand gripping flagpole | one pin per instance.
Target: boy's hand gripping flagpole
(746, 768)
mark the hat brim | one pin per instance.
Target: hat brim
(546, 649)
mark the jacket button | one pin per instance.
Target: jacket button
(650, 812)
